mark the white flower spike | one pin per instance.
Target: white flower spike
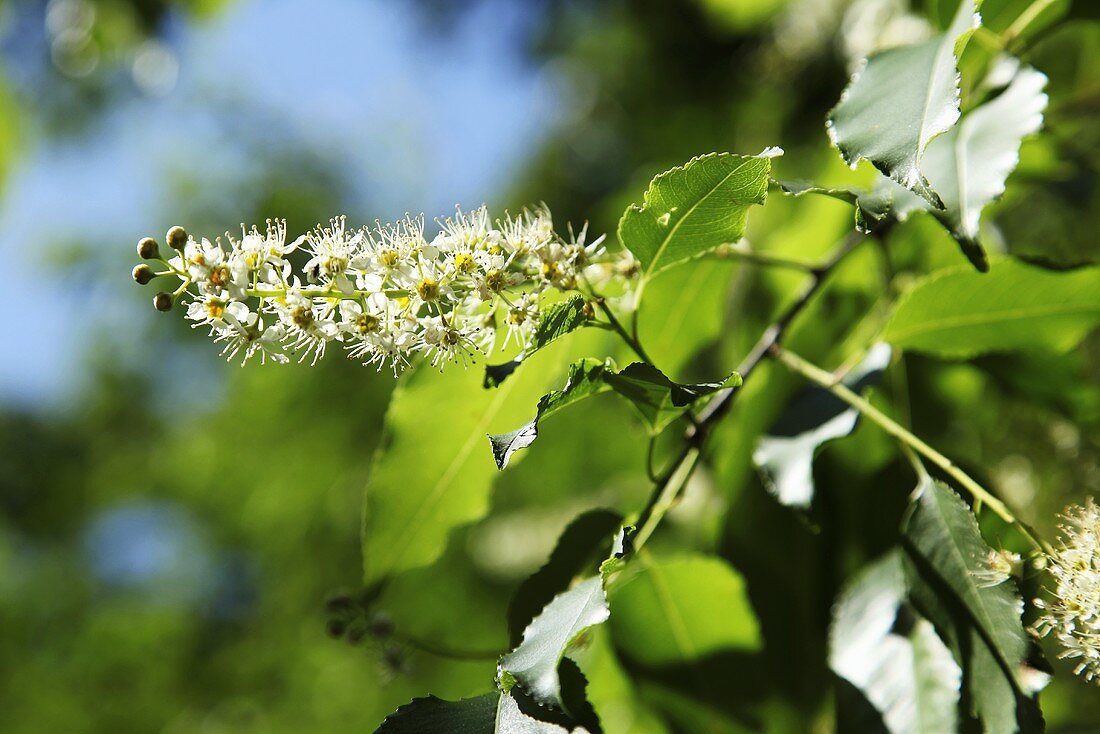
(386, 293)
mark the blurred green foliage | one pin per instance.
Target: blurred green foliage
(254, 486)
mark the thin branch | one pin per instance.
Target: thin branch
(667, 490)
(825, 379)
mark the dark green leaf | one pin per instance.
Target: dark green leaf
(658, 400)
(534, 663)
(581, 543)
(905, 672)
(941, 529)
(556, 321)
(492, 713)
(957, 313)
(871, 207)
(900, 101)
(681, 609)
(585, 379)
(694, 208)
(785, 454)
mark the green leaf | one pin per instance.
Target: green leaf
(958, 313)
(658, 400)
(429, 475)
(785, 454)
(683, 312)
(534, 663)
(941, 530)
(681, 609)
(582, 542)
(968, 165)
(905, 672)
(995, 699)
(694, 208)
(900, 101)
(492, 713)
(871, 207)
(555, 322)
(585, 379)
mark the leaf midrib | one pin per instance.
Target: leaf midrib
(672, 612)
(992, 317)
(428, 505)
(985, 625)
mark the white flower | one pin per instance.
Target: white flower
(247, 336)
(208, 267)
(467, 232)
(388, 293)
(261, 257)
(309, 326)
(521, 318)
(997, 567)
(442, 341)
(334, 252)
(1072, 615)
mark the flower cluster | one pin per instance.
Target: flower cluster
(1072, 615)
(386, 293)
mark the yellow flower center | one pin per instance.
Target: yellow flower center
(428, 290)
(465, 263)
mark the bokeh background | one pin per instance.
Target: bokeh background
(171, 526)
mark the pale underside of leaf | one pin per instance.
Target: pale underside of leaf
(534, 663)
(785, 455)
(900, 101)
(969, 164)
(909, 677)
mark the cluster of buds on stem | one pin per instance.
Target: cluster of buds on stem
(1072, 613)
(387, 293)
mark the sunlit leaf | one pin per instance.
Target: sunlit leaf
(871, 207)
(968, 165)
(681, 609)
(958, 313)
(585, 379)
(694, 208)
(431, 474)
(905, 672)
(900, 101)
(785, 454)
(534, 663)
(658, 400)
(581, 543)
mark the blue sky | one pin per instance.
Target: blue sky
(414, 118)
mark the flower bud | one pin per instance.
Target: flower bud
(162, 301)
(176, 238)
(142, 274)
(147, 248)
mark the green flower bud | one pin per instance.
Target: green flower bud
(147, 248)
(162, 301)
(142, 274)
(176, 238)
